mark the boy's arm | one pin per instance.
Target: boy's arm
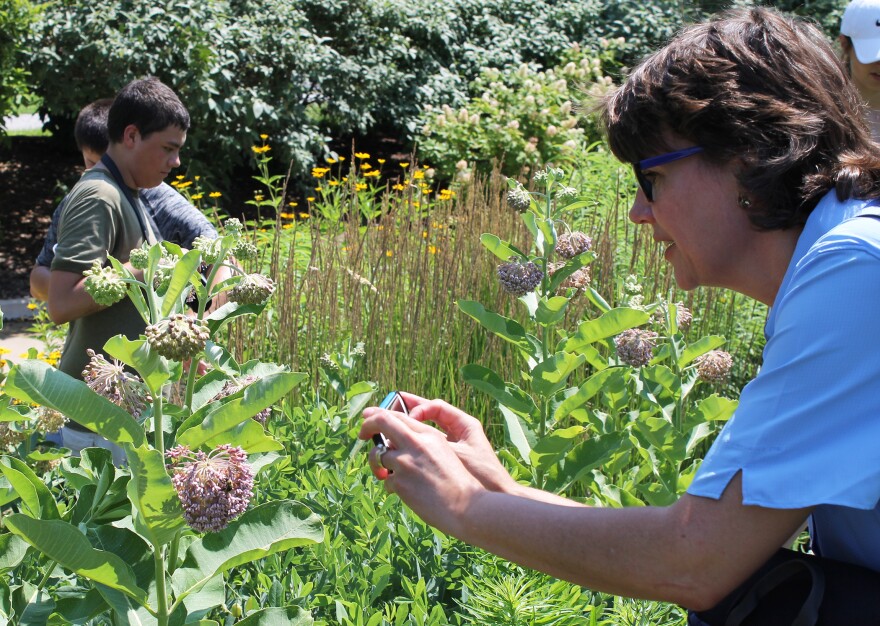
(67, 298)
(39, 280)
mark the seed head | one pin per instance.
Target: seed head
(519, 278)
(104, 284)
(572, 244)
(179, 337)
(49, 420)
(253, 289)
(111, 381)
(214, 488)
(635, 346)
(714, 366)
(519, 199)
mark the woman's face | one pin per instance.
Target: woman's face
(866, 76)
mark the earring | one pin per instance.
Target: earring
(744, 202)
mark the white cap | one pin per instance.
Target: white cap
(861, 23)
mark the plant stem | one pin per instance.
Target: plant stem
(161, 593)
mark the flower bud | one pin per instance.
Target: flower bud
(714, 366)
(10, 436)
(104, 284)
(233, 226)
(519, 199)
(111, 381)
(253, 289)
(572, 244)
(211, 249)
(519, 278)
(179, 337)
(635, 346)
(245, 251)
(49, 420)
(139, 257)
(213, 488)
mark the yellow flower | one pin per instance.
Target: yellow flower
(264, 137)
(260, 149)
(292, 204)
(341, 159)
(366, 166)
(432, 249)
(31, 306)
(4, 351)
(286, 226)
(198, 196)
(389, 253)
(303, 216)
(258, 197)
(361, 155)
(418, 175)
(214, 194)
(286, 216)
(330, 161)
(381, 161)
(424, 234)
(310, 199)
(318, 172)
(3, 363)
(184, 185)
(180, 177)
(360, 186)
(380, 227)
(399, 187)
(198, 177)
(373, 174)
(404, 165)
(333, 183)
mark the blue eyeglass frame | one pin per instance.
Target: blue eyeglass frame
(662, 159)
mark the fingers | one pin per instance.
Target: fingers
(448, 418)
(377, 462)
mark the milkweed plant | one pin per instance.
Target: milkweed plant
(151, 540)
(604, 410)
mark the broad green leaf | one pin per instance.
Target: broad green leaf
(30, 488)
(40, 383)
(663, 438)
(713, 409)
(586, 456)
(250, 436)
(39, 607)
(509, 395)
(210, 596)
(506, 328)
(548, 229)
(606, 325)
(570, 267)
(502, 249)
(65, 544)
(183, 271)
(597, 300)
(12, 550)
(551, 374)
(530, 219)
(220, 359)
(359, 396)
(257, 396)
(279, 616)
(78, 609)
(549, 450)
(586, 391)
(551, 310)
(135, 294)
(154, 370)
(229, 312)
(158, 514)
(699, 348)
(265, 530)
(518, 433)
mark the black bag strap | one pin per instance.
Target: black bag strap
(809, 613)
(136, 206)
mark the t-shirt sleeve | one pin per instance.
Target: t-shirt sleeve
(178, 220)
(806, 430)
(87, 231)
(47, 253)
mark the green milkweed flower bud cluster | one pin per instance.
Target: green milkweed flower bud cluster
(245, 251)
(327, 363)
(162, 275)
(635, 346)
(253, 289)
(519, 278)
(214, 488)
(235, 385)
(111, 381)
(714, 366)
(683, 316)
(178, 337)
(140, 257)
(11, 434)
(233, 226)
(211, 249)
(49, 420)
(104, 284)
(519, 199)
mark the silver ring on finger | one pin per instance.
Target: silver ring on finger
(381, 449)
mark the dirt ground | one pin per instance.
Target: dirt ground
(34, 176)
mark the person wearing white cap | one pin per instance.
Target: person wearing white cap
(860, 40)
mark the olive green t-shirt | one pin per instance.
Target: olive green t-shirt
(97, 220)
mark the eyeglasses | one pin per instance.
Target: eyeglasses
(638, 168)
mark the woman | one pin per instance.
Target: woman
(860, 41)
(753, 162)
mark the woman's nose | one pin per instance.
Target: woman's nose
(640, 212)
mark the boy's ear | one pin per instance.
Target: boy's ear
(130, 135)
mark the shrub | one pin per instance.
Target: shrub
(15, 20)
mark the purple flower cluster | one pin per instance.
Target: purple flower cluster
(114, 383)
(572, 244)
(519, 278)
(714, 366)
(635, 346)
(214, 488)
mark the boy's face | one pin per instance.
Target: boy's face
(154, 157)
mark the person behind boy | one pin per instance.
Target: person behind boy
(146, 125)
(177, 220)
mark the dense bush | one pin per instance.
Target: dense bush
(15, 18)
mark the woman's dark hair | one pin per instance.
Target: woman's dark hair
(757, 87)
(150, 105)
(90, 129)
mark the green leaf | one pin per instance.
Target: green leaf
(358, 397)
(250, 436)
(38, 609)
(570, 267)
(12, 550)
(224, 416)
(265, 530)
(597, 300)
(551, 374)
(606, 325)
(229, 312)
(135, 294)
(183, 271)
(552, 448)
(509, 395)
(586, 456)
(506, 328)
(40, 383)
(152, 368)
(587, 390)
(502, 249)
(220, 359)
(65, 544)
(699, 348)
(713, 409)
(551, 310)
(284, 616)
(158, 514)
(519, 433)
(30, 488)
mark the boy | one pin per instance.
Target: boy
(147, 127)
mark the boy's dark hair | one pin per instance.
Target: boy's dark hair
(763, 89)
(150, 105)
(90, 130)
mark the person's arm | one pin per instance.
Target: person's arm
(39, 281)
(692, 553)
(68, 299)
